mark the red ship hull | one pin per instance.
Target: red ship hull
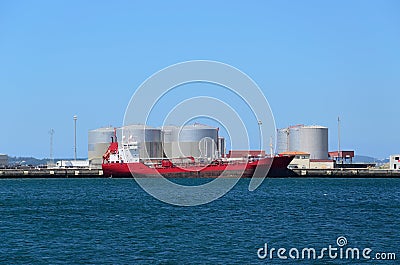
(277, 165)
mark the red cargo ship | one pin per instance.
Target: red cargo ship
(125, 162)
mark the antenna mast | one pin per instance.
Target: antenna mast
(259, 125)
(75, 118)
(339, 156)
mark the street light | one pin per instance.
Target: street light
(259, 125)
(75, 118)
(51, 132)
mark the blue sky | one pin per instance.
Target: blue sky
(314, 60)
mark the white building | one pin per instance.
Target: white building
(322, 163)
(301, 160)
(395, 162)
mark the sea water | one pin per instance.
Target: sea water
(113, 221)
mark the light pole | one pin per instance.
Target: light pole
(259, 125)
(75, 118)
(51, 132)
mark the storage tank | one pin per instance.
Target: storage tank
(282, 141)
(300, 138)
(148, 138)
(169, 139)
(295, 138)
(98, 143)
(314, 140)
(196, 140)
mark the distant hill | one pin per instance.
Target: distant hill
(33, 161)
(369, 159)
(26, 161)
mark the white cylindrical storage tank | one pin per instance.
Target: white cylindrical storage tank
(282, 141)
(295, 139)
(148, 138)
(314, 140)
(169, 138)
(196, 140)
(98, 142)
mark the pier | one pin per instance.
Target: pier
(295, 173)
(51, 173)
(346, 173)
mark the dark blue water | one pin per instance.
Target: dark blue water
(113, 221)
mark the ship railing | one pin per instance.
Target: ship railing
(157, 162)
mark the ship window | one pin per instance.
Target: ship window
(396, 158)
(394, 166)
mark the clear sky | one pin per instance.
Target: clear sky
(314, 60)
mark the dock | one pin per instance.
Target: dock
(346, 173)
(51, 173)
(295, 173)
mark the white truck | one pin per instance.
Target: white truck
(72, 164)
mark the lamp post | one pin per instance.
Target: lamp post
(51, 132)
(259, 125)
(75, 118)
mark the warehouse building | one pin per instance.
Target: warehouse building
(342, 156)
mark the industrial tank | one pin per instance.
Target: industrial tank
(282, 142)
(299, 138)
(148, 138)
(98, 143)
(295, 138)
(196, 140)
(314, 140)
(170, 140)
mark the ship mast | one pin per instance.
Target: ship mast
(271, 147)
